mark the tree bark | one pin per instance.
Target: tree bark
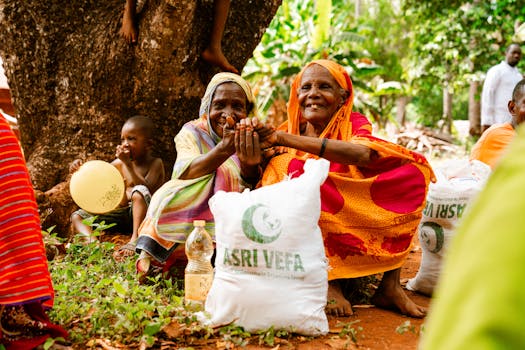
(474, 109)
(447, 109)
(401, 104)
(74, 80)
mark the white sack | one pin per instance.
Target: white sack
(270, 267)
(458, 182)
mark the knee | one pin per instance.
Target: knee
(75, 218)
(137, 198)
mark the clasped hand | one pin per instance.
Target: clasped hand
(248, 138)
(251, 138)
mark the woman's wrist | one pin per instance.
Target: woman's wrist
(223, 150)
(252, 175)
(279, 138)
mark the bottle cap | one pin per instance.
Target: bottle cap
(199, 223)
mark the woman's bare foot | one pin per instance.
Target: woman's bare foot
(129, 30)
(337, 305)
(390, 295)
(217, 58)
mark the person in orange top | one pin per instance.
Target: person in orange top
(372, 200)
(494, 141)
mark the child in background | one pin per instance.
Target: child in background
(143, 174)
(212, 54)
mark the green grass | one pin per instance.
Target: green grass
(95, 297)
(100, 301)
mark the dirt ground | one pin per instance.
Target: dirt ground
(376, 329)
(380, 329)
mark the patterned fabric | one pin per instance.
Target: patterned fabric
(25, 282)
(368, 215)
(24, 276)
(178, 202)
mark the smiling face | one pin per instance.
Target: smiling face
(319, 96)
(228, 99)
(134, 139)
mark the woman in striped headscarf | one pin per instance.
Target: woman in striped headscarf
(25, 283)
(206, 163)
(373, 197)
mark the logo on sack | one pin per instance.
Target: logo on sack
(431, 234)
(260, 225)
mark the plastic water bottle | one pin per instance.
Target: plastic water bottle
(198, 274)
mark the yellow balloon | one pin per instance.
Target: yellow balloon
(97, 187)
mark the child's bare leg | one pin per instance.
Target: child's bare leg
(390, 295)
(139, 208)
(82, 229)
(139, 213)
(129, 30)
(213, 53)
(337, 304)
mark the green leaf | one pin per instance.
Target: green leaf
(152, 328)
(119, 288)
(289, 71)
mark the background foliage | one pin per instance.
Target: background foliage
(454, 43)
(391, 48)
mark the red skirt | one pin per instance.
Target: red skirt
(24, 274)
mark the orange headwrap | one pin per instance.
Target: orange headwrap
(340, 126)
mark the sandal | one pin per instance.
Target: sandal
(125, 251)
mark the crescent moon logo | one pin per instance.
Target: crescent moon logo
(260, 225)
(431, 234)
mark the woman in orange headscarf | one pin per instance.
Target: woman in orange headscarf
(375, 192)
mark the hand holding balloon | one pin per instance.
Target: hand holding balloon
(97, 187)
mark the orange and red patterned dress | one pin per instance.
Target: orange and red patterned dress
(369, 216)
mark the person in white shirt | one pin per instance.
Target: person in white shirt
(497, 89)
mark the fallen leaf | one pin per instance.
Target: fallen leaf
(174, 329)
(105, 344)
(341, 344)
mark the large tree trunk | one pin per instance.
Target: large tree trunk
(474, 109)
(74, 81)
